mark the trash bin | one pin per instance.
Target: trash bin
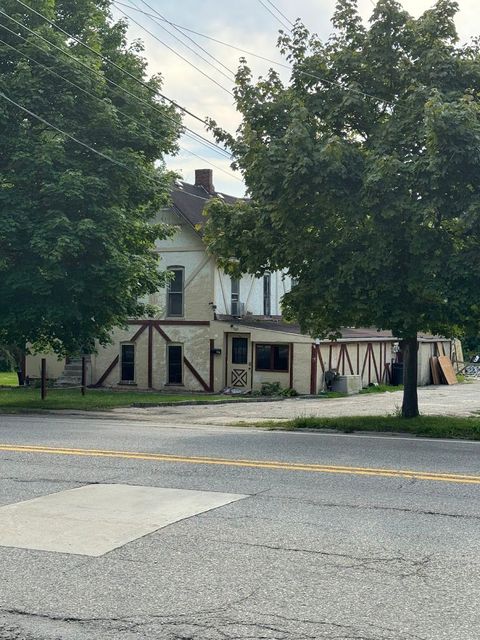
(397, 373)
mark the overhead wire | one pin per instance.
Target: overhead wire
(107, 60)
(188, 37)
(205, 141)
(182, 42)
(280, 12)
(274, 15)
(84, 144)
(264, 58)
(126, 115)
(153, 35)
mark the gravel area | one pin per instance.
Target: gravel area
(457, 400)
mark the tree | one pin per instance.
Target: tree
(363, 177)
(77, 246)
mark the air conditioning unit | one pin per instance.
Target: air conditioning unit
(238, 308)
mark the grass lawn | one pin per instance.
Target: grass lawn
(21, 399)
(8, 379)
(429, 426)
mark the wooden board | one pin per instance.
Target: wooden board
(440, 349)
(447, 369)
(435, 369)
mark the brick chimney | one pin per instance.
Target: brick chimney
(204, 178)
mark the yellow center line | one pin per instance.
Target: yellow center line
(256, 464)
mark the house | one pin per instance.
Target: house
(214, 332)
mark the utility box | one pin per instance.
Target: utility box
(347, 384)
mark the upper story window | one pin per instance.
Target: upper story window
(175, 292)
(235, 297)
(267, 294)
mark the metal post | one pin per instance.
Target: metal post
(43, 381)
(83, 376)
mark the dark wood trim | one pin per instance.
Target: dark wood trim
(137, 334)
(162, 333)
(291, 364)
(116, 360)
(251, 363)
(195, 373)
(320, 359)
(348, 359)
(227, 338)
(212, 365)
(375, 364)
(205, 323)
(108, 371)
(313, 369)
(358, 358)
(330, 356)
(150, 357)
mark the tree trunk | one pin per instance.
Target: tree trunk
(410, 377)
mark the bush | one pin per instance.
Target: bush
(275, 389)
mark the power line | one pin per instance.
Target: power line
(274, 15)
(105, 59)
(188, 37)
(68, 135)
(205, 142)
(260, 57)
(84, 144)
(281, 12)
(176, 52)
(126, 115)
(232, 73)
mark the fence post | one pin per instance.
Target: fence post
(84, 375)
(43, 382)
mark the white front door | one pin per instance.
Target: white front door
(239, 365)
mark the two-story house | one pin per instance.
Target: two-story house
(214, 332)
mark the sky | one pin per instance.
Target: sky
(249, 24)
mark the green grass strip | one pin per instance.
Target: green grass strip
(28, 399)
(426, 426)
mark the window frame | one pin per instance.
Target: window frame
(234, 295)
(169, 346)
(134, 364)
(176, 269)
(267, 294)
(272, 346)
(234, 361)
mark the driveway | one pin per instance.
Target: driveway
(457, 400)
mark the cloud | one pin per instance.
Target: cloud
(245, 24)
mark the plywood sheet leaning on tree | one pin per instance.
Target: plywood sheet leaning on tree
(447, 369)
(435, 369)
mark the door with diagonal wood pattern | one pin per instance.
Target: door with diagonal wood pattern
(239, 365)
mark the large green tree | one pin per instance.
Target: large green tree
(76, 239)
(364, 177)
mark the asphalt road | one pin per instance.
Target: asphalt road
(340, 537)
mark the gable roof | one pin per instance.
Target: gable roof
(190, 200)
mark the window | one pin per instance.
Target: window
(174, 364)
(272, 357)
(267, 294)
(175, 292)
(239, 350)
(127, 364)
(235, 296)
